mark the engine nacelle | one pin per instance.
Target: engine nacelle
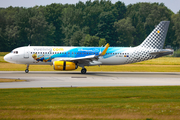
(63, 65)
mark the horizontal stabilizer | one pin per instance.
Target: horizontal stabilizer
(163, 52)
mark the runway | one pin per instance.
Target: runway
(94, 79)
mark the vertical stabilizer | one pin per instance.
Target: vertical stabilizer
(157, 37)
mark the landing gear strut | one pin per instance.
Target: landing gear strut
(83, 71)
(27, 69)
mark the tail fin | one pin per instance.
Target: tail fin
(157, 37)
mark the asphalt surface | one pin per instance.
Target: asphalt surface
(76, 79)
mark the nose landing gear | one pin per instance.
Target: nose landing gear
(27, 69)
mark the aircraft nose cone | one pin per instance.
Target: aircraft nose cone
(6, 58)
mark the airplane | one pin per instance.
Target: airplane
(70, 58)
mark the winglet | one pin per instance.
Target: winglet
(104, 51)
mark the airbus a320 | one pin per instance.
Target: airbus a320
(70, 58)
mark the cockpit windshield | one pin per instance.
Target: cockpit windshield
(15, 52)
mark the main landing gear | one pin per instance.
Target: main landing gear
(27, 69)
(83, 71)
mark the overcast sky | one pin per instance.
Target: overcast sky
(174, 5)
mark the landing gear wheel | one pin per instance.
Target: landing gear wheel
(26, 71)
(83, 71)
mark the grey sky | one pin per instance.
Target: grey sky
(174, 5)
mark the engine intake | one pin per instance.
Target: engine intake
(63, 65)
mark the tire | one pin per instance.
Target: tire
(26, 71)
(83, 71)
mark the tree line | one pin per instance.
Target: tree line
(85, 24)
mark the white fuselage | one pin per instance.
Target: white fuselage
(44, 55)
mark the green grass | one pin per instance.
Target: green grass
(115, 68)
(2, 59)
(162, 61)
(3, 53)
(91, 103)
(11, 80)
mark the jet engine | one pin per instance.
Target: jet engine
(64, 65)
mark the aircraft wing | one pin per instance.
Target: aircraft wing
(86, 58)
(76, 59)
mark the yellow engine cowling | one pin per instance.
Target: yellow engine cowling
(63, 65)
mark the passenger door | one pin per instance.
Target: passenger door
(26, 52)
